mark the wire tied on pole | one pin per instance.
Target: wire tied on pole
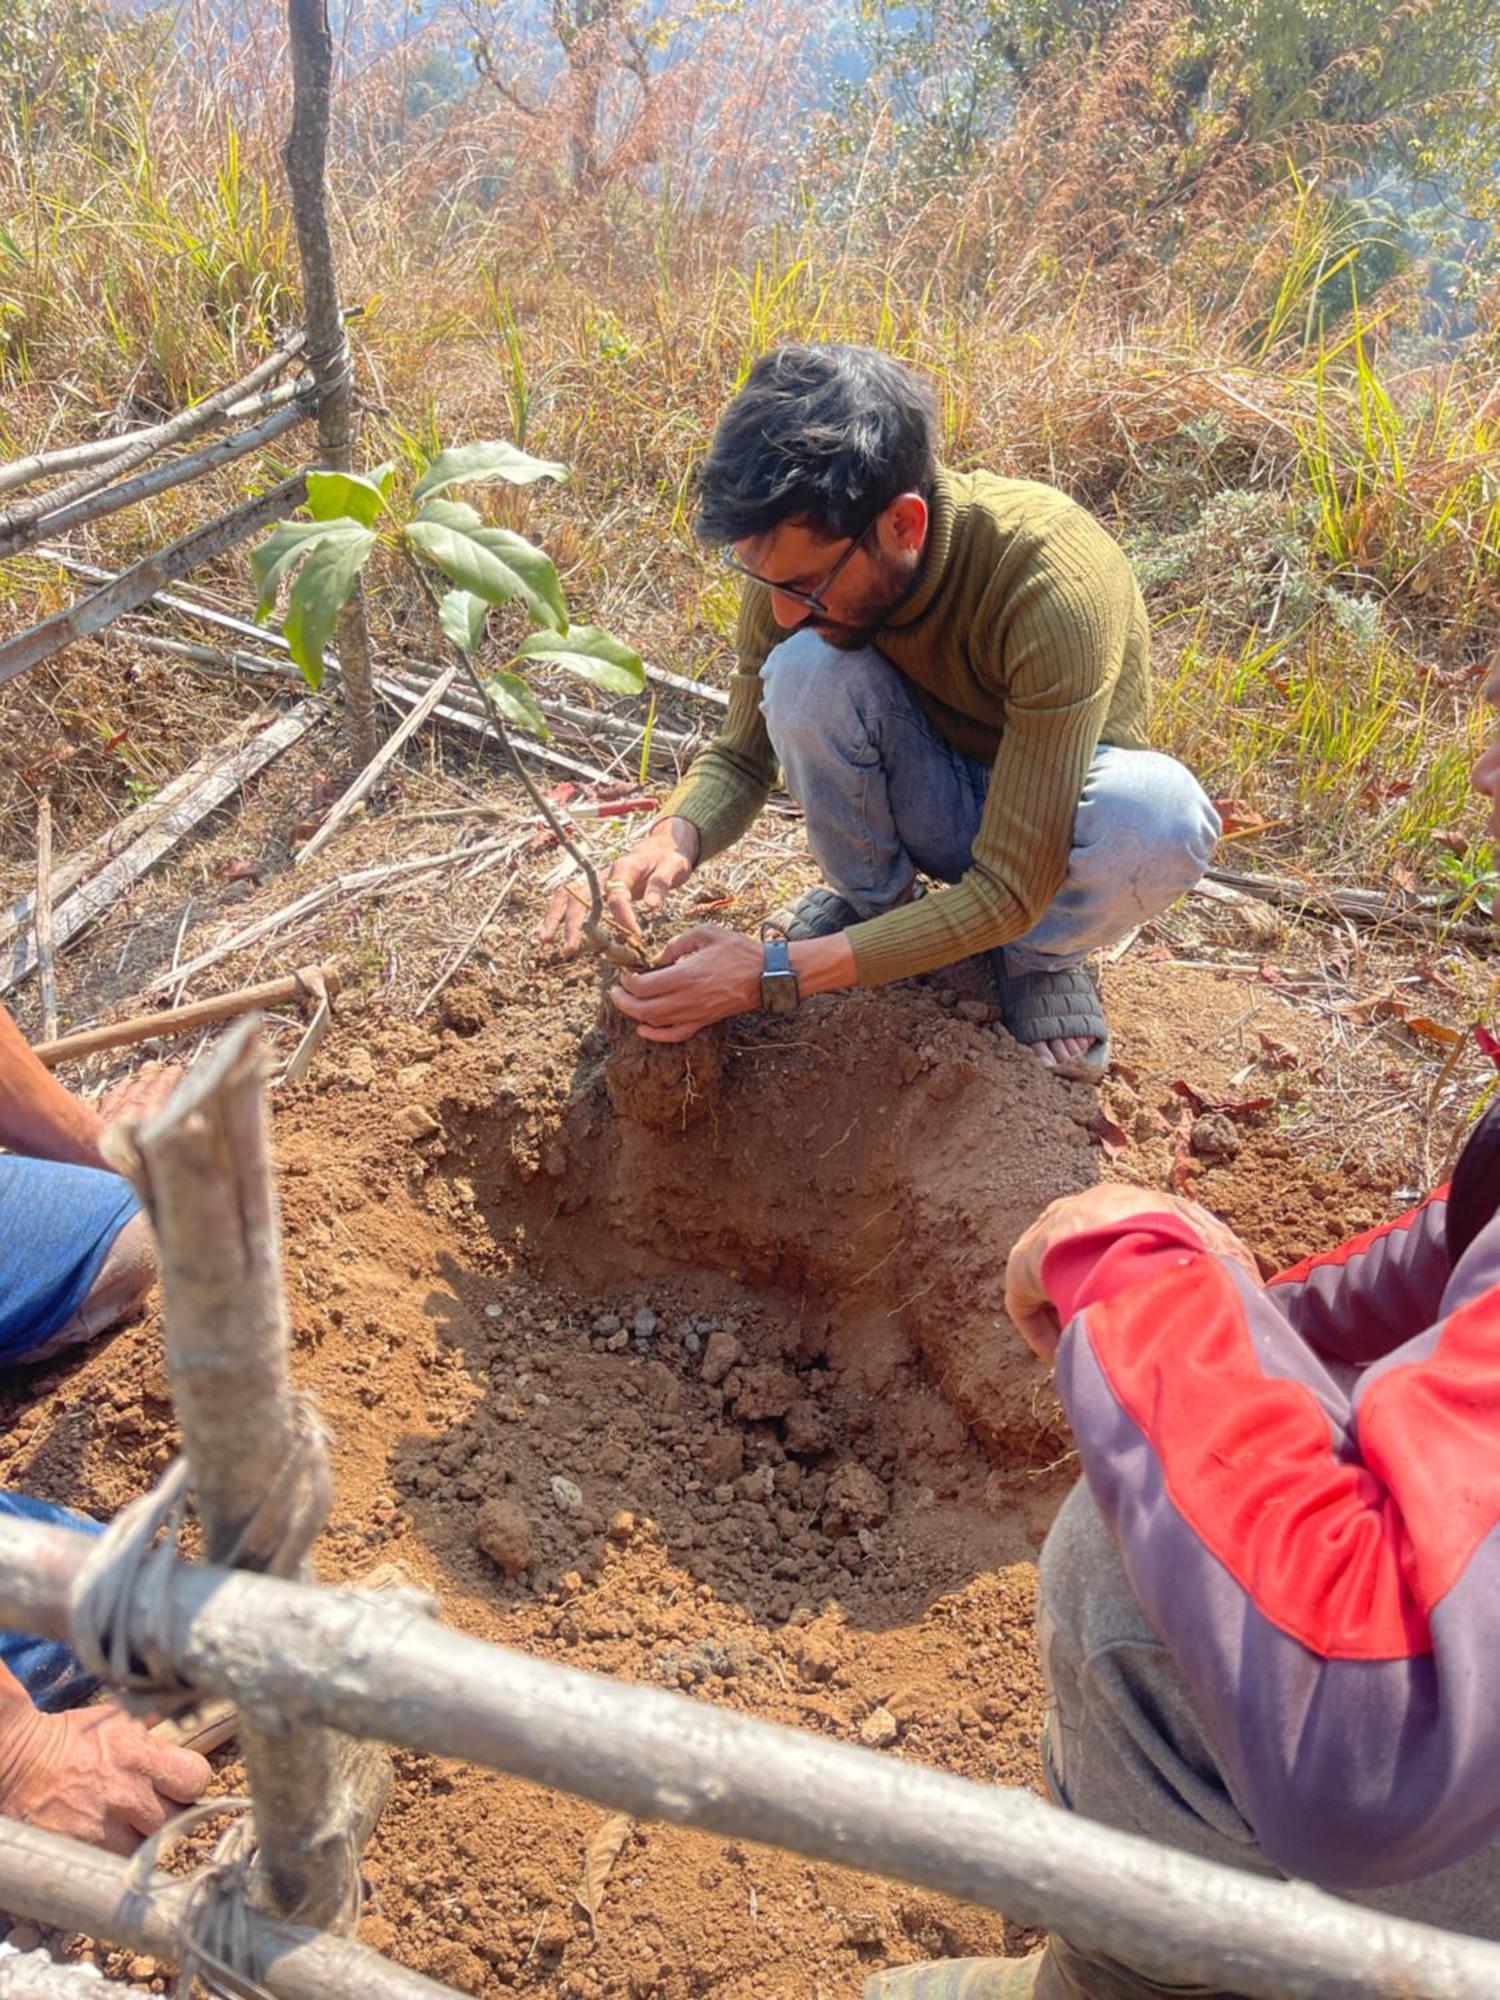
(119, 1602)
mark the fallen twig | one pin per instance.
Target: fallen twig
(45, 950)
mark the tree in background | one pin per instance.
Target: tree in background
(1414, 87)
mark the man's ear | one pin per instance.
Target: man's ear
(902, 526)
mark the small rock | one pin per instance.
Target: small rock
(618, 1342)
(359, 1066)
(567, 1495)
(621, 1525)
(494, 1312)
(504, 1533)
(415, 1121)
(766, 1391)
(413, 1076)
(645, 1324)
(691, 1342)
(807, 1429)
(720, 1355)
(24, 1937)
(855, 1499)
(722, 1457)
(976, 1010)
(1214, 1137)
(879, 1729)
(607, 1323)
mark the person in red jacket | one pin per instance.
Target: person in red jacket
(1270, 1610)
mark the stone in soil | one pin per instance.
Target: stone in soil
(502, 1530)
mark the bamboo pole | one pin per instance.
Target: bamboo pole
(160, 479)
(389, 1672)
(96, 895)
(61, 1882)
(146, 444)
(182, 1020)
(202, 1166)
(135, 587)
(306, 157)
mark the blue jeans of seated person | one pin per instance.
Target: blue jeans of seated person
(886, 798)
(51, 1673)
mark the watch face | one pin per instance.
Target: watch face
(779, 993)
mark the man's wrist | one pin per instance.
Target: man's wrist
(685, 836)
(823, 965)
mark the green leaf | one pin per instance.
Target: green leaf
(320, 592)
(452, 514)
(494, 564)
(333, 496)
(462, 616)
(482, 465)
(516, 702)
(280, 551)
(594, 655)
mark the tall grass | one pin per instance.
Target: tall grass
(1317, 520)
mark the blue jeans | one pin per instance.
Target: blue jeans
(50, 1672)
(887, 798)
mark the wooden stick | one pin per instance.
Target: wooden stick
(62, 1883)
(475, 724)
(305, 156)
(88, 860)
(88, 903)
(466, 947)
(134, 587)
(658, 1755)
(145, 485)
(202, 1166)
(370, 775)
(182, 1020)
(145, 444)
(45, 954)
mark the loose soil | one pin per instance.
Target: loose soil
(692, 1369)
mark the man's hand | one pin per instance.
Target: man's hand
(703, 976)
(95, 1774)
(646, 873)
(1107, 1206)
(141, 1095)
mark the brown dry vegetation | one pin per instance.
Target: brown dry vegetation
(1314, 511)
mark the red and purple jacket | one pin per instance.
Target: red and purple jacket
(1304, 1484)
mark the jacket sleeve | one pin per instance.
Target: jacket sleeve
(1323, 1567)
(1363, 1299)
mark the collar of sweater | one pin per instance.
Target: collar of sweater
(942, 528)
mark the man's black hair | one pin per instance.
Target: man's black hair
(829, 435)
(1474, 1193)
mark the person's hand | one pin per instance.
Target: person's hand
(1108, 1206)
(646, 873)
(95, 1774)
(141, 1094)
(703, 976)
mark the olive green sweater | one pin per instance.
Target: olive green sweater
(1026, 642)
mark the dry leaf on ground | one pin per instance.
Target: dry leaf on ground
(599, 1857)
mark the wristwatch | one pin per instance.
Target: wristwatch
(779, 992)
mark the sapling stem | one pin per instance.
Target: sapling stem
(593, 923)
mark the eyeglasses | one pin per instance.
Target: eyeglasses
(816, 598)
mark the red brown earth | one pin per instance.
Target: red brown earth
(694, 1371)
